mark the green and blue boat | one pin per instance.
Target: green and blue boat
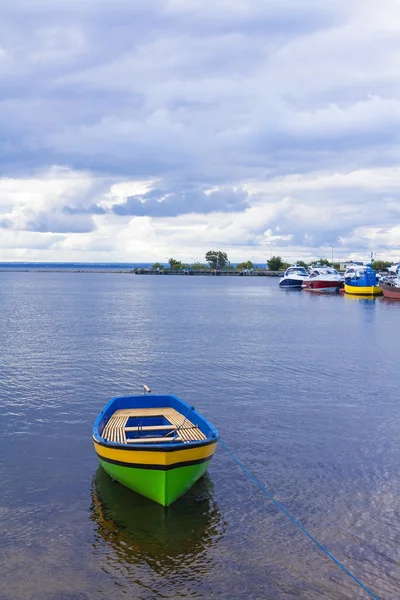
(156, 445)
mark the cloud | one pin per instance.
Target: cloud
(93, 209)
(200, 123)
(160, 203)
(58, 222)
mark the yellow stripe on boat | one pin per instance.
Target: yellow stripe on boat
(362, 291)
(150, 457)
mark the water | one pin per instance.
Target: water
(303, 388)
(70, 266)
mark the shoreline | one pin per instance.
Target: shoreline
(141, 271)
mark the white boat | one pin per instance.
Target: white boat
(391, 276)
(323, 279)
(394, 270)
(293, 277)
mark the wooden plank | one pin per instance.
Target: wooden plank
(189, 431)
(151, 428)
(144, 412)
(123, 429)
(153, 439)
(116, 428)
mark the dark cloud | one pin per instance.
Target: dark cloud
(5, 223)
(58, 222)
(81, 87)
(158, 203)
(93, 209)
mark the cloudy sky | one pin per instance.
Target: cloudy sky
(140, 130)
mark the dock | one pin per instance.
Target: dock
(210, 272)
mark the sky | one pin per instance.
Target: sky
(141, 130)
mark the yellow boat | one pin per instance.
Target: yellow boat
(370, 290)
(361, 281)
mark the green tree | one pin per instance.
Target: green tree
(197, 266)
(217, 260)
(245, 265)
(158, 266)
(323, 262)
(301, 263)
(380, 265)
(175, 265)
(336, 266)
(275, 263)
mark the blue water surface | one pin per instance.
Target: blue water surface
(303, 388)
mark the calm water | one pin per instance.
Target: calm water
(304, 388)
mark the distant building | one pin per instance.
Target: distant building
(350, 263)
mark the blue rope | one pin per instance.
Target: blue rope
(320, 546)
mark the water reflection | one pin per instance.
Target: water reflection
(367, 300)
(136, 529)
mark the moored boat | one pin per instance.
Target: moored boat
(361, 281)
(391, 289)
(156, 445)
(394, 269)
(293, 277)
(323, 279)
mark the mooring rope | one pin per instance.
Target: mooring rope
(320, 546)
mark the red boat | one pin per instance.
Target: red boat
(391, 290)
(323, 279)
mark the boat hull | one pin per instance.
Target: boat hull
(372, 290)
(390, 291)
(161, 476)
(161, 486)
(322, 286)
(290, 283)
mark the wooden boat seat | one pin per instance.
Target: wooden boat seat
(116, 428)
(154, 439)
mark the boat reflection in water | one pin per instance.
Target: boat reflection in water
(137, 530)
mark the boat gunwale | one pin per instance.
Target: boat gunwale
(156, 466)
(156, 446)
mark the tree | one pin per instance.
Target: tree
(380, 265)
(323, 262)
(301, 263)
(197, 266)
(175, 265)
(275, 263)
(217, 260)
(245, 265)
(157, 266)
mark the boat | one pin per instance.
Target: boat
(394, 269)
(323, 279)
(293, 277)
(391, 275)
(391, 289)
(156, 445)
(361, 281)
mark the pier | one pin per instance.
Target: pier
(210, 272)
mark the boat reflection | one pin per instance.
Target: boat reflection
(368, 303)
(367, 300)
(136, 529)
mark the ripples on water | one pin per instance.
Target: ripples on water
(304, 388)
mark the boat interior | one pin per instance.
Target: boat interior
(150, 425)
